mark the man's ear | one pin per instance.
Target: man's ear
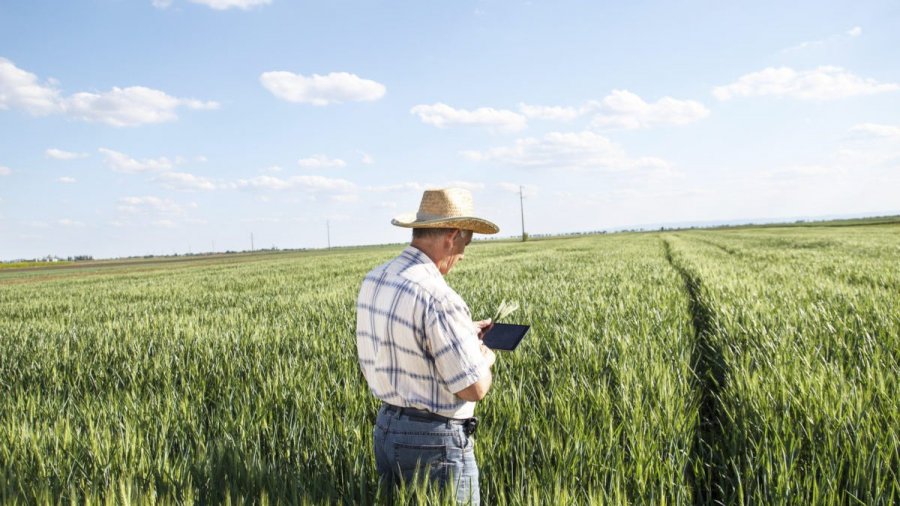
(451, 237)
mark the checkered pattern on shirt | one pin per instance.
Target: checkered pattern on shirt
(415, 338)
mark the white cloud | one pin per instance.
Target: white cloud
(367, 159)
(58, 154)
(624, 109)
(181, 160)
(871, 146)
(417, 187)
(859, 159)
(137, 205)
(808, 170)
(221, 5)
(549, 112)
(561, 150)
(876, 130)
(66, 222)
(270, 219)
(164, 223)
(442, 115)
(823, 83)
(346, 197)
(399, 187)
(322, 183)
(854, 32)
(468, 185)
(66, 180)
(872, 153)
(320, 162)
(264, 183)
(20, 88)
(5, 171)
(311, 183)
(790, 174)
(131, 106)
(334, 88)
(200, 105)
(185, 182)
(120, 162)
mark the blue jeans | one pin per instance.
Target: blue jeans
(405, 444)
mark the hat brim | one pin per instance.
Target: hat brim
(477, 225)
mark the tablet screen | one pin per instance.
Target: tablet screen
(505, 336)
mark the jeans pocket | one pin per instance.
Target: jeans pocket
(420, 460)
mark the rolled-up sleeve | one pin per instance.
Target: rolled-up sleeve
(454, 346)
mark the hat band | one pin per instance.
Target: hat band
(420, 216)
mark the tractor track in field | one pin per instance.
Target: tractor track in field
(723, 248)
(708, 474)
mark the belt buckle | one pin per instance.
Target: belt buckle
(470, 426)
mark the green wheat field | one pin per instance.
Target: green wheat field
(735, 366)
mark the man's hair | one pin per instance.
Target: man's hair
(423, 233)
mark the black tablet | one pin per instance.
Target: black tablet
(505, 336)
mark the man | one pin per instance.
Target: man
(421, 353)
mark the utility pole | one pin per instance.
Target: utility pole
(328, 231)
(251, 241)
(522, 209)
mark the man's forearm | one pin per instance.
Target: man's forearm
(476, 391)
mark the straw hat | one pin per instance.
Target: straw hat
(447, 208)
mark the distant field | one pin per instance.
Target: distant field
(28, 265)
(737, 366)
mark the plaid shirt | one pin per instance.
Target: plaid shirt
(416, 341)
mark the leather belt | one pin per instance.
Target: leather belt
(470, 425)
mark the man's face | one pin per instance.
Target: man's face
(456, 247)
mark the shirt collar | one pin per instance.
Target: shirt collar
(417, 256)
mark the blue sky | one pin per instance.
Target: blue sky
(158, 127)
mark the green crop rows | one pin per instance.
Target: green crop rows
(749, 366)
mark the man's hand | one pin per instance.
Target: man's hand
(483, 327)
